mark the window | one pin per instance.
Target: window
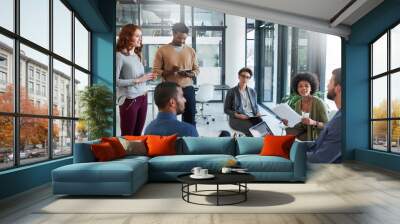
(3, 78)
(269, 30)
(209, 45)
(250, 43)
(7, 14)
(127, 13)
(45, 131)
(38, 89)
(159, 13)
(385, 97)
(44, 91)
(30, 87)
(62, 29)
(203, 17)
(30, 72)
(35, 22)
(3, 61)
(37, 75)
(81, 45)
(62, 74)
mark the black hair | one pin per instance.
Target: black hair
(337, 76)
(180, 28)
(308, 77)
(245, 69)
(164, 92)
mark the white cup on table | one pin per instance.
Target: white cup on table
(196, 171)
(203, 172)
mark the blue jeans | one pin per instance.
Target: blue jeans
(189, 115)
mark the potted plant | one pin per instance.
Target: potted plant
(96, 102)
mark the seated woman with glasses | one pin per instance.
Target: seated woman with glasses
(241, 104)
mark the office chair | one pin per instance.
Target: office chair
(205, 94)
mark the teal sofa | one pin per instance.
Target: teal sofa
(125, 176)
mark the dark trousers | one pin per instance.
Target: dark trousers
(133, 115)
(189, 115)
(244, 125)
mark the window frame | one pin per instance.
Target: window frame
(388, 74)
(16, 115)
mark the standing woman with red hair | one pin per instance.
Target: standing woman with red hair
(131, 80)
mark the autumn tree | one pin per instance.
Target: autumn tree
(380, 127)
(33, 131)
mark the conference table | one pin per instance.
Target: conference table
(221, 88)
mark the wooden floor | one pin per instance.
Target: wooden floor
(377, 188)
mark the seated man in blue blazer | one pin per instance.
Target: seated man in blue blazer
(328, 148)
(170, 101)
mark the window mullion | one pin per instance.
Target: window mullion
(16, 83)
(50, 81)
(389, 112)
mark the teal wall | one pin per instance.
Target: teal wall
(24, 178)
(99, 16)
(356, 98)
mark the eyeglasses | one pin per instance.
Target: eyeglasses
(245, 76)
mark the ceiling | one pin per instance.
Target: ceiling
(325, 16)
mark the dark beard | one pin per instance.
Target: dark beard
(331, 95)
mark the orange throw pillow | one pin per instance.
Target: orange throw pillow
(116, 145)
(277, 145)
(103, 152)
(161, 145)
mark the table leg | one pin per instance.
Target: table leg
(245, 191)
(217, 194)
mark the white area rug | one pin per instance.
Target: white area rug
(166, 198)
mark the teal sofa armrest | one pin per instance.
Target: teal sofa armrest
(83, 153)
(299, 159)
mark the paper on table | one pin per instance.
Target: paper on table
(284, 111)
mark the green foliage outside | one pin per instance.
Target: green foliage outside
(97, 104)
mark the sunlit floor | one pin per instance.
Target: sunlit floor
(377, 190)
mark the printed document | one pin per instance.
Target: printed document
(284, 111)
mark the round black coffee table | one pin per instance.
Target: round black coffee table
(238, 179)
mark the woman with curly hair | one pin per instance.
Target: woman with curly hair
(131, 80)
(310, 107)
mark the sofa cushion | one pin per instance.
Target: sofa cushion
(249, 145)
(277, 145)
(116, 145)
(112, 171)
(207, 145)
(185, 163)
(134, 147)
(103, 152)
(257, 163)
(161, 145)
